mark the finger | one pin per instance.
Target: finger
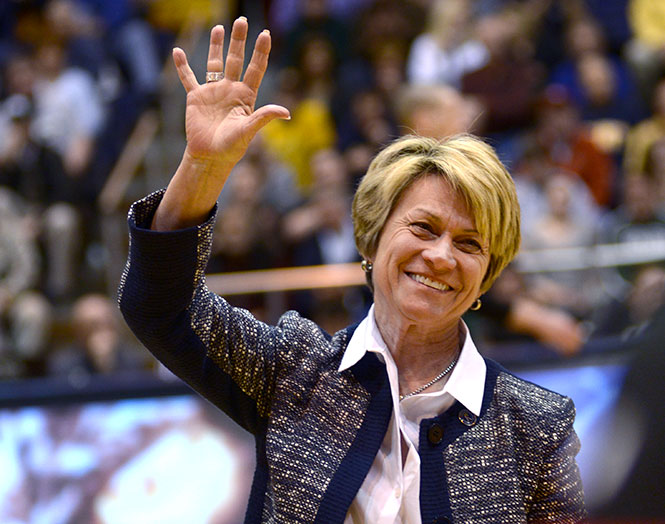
(259, 62)
(185, 73)
(266, 114)
(236, 55)
(216, 49)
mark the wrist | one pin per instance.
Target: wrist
(192, 192)
(207, 163)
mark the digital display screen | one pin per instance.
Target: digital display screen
(162, 460)
(175, 458)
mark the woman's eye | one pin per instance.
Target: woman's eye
(422, 227)
(471, 245)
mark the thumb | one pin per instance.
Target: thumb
(266, 114)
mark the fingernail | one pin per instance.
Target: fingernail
(242, 18)
(266, 31)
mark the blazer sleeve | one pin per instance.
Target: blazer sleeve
(559, 497)
(224, 353)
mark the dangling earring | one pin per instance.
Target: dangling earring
(476, 305)
(366, 266)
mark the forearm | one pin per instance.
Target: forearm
(553, 327)
(191, 193)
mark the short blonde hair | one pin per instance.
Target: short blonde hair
(473, 170)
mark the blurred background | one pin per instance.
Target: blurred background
(571, 93)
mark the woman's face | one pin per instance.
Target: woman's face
(430, 261)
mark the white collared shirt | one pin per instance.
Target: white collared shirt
(390, 493)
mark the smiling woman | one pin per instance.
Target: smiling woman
(428, 266)
(398, 419)
(437, 221)
(472, 169)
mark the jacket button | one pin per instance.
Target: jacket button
(435, 434)
(441, 520)
(467, 418)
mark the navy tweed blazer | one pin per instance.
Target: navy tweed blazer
(318, 430)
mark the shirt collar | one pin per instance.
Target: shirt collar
(466, 382)
(361, 341)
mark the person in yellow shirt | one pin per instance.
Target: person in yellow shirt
(643, 135)
(646, 50)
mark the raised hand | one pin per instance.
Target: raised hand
(220, 122)
(220, 116)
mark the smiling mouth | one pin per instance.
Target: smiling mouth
(429, 282)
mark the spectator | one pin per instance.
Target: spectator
(508, 83)
(388, 66)
(365, 116)
(246, 230)
(389, 21)
(320, 231)
(436, 111)
(633, 311)
(532, 172)
(582, 35)
(277, 189)
(317, 64)
(611, 16)
(638, 219)
(316, 21)
(27, 166)
(99, 346)
(604, 108)
(68, 110)
(25, 315)
(567, 143)
(574, 291)
(646, 50)
(368, 123)
(518, 328)
(599, 84)
(312, 128)
(126, 38)
(655, 169)
(448, 49)
(36, 172)
(286, 15)
(118, 47)
(643, 135)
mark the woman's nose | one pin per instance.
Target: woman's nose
(440, 254)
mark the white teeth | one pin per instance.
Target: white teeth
(428, 282)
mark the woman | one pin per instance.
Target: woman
(361, 426)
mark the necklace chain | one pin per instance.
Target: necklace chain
(431, 382)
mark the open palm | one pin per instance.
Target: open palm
(220, 118)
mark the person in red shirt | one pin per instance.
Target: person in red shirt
(568, 144)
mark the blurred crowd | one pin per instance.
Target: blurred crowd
(571, 93)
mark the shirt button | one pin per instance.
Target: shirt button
(467, 418)
(398, 493)
(435, 434)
